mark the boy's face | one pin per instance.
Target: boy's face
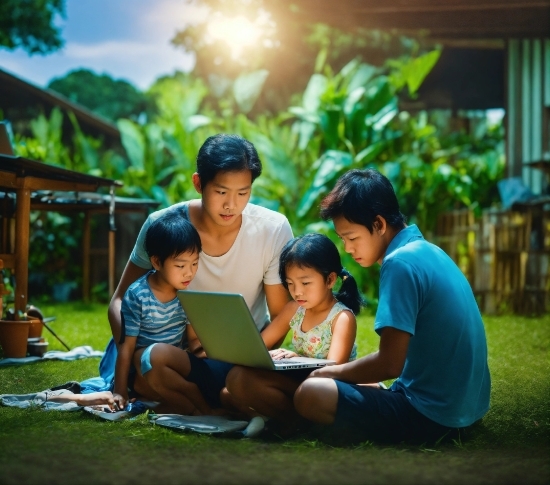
(225, 197)
(178, 271)
(364, 247)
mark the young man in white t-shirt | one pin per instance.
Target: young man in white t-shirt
(241, 244)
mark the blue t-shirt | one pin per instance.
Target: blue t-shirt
(424, 293)
(150, 320)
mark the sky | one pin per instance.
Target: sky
(127, 39)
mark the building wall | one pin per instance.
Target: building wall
(528, 110)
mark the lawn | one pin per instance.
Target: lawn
(511, 445)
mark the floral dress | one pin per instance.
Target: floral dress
(316, 342)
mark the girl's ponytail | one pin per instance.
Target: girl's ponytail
(349, 293)
(317, 251)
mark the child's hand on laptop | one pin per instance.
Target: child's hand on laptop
(278, 354)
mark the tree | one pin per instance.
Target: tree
(29, 24)
(108, 97)
(233, 37)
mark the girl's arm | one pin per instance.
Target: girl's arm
(122, 370)
(344, 329)
(280, 325)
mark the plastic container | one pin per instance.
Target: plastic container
(37, 347)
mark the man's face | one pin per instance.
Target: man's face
(364, 247)
(225, 197)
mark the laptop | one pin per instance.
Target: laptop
(225, 327)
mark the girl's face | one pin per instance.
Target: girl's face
(308, 287)
(178, 271)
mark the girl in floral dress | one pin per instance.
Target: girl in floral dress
(322, 322)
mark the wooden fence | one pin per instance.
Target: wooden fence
(504, 254)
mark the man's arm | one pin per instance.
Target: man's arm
(277, 297)
(131, 273)
(385, 364)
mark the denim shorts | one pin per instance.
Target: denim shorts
(209, 375)
(365, 413)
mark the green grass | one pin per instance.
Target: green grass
(511, 445)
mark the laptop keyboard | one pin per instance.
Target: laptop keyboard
(285, 361)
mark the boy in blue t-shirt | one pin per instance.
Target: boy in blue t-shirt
(154, 322)
(432, 338)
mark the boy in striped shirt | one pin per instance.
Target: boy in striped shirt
(154, 322)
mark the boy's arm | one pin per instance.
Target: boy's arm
(193, 343)
(385, 364)
(122, 370)
(131, 273)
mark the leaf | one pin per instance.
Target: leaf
(280, 167)
(197, 121)
(371, 152)
(384, 116)
(417, 69)
(247, 88)
(306, 131)
(351, 103)
(304, 115)
(316, 86)
(330, 164)
(362, 76)
(133, 142)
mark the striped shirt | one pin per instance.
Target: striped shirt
(150, 320)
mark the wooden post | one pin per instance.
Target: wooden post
(86, 258)
(111, 263)
(22, 233)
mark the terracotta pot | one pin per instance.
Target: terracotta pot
(35, 330)
(13, 337)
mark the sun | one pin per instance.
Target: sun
(238, 32)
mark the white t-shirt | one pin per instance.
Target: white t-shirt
(252, 261)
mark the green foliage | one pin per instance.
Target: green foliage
(30, 24)
(343, 120)
(108, 97)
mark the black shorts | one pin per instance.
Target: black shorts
(366, 413)
(209, 375)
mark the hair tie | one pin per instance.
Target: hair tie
(344, 274)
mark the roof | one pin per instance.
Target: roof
(92, 201)
(466, 19)
(18, 95)
(43, 176)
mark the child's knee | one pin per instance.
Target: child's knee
(237, 380)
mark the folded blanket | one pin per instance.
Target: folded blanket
(82, 352)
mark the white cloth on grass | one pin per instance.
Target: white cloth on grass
(82, 352)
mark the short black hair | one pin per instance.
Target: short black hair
(170, 235)
(227, 153)
(362, 195)
(318, 252)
